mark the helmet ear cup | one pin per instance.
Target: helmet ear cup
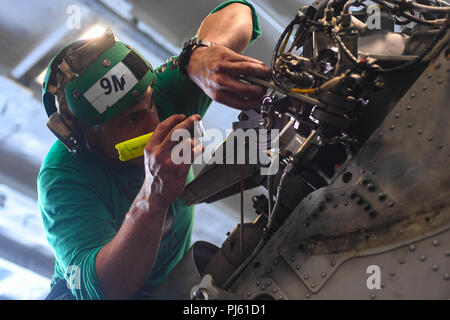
(62, 131)
(64, 124)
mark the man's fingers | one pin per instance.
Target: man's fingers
(164, 127)
(244, 68)
(233, 56)
(187, 124)
(236, 102)
(239, 88)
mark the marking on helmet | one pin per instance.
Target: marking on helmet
(116, 83)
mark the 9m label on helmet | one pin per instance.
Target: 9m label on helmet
(116, 83)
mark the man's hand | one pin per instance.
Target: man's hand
(217, 69)
(164, 180)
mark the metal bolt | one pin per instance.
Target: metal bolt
(435, 267)
(346, 203)
(383, 285)
(401, 261)
(269, 270)
(249, 293)
(306, 277)
(371, 187)
(333, 263)
(420, 131)
(263, 287)
(429, 76)
(292, 259)
(275, 261)
(390, 204)
(373, 296)
(324, 274)
(258, 282)
(446, 276)
(297, 267)
(423, 257)
(435, 243)
(77, 93)
(397, 115)
(392, 273)
(380, 134)
(447, 253)
(106, 63)
(430, 138)
(392, 127)
(410, 124)
(412, 247)
(308, 296)
(268, 283)
(439, 81)
(424, 88)
(367, 207)
(313, 285)
(381, 196)
(413, 95)
(274, 290)
(408, 107)
(135, 93)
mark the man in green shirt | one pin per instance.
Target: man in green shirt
(117, 228)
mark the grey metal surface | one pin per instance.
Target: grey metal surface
(187, 273)
(389, 208)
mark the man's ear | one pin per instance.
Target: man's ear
(91, 137)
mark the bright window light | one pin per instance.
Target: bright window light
(95, 31)
(41, 76)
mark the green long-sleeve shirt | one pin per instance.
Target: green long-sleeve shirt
(83, 200)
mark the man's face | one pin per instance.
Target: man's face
(140, 119)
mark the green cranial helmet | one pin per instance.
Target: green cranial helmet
(90, 82)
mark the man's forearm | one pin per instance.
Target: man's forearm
(231, 27)
(125, 263)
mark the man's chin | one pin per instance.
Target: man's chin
(136, 162)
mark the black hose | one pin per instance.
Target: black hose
(399, 12)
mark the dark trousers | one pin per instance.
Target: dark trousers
(60, 291)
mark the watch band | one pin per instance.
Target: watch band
(188, 48)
